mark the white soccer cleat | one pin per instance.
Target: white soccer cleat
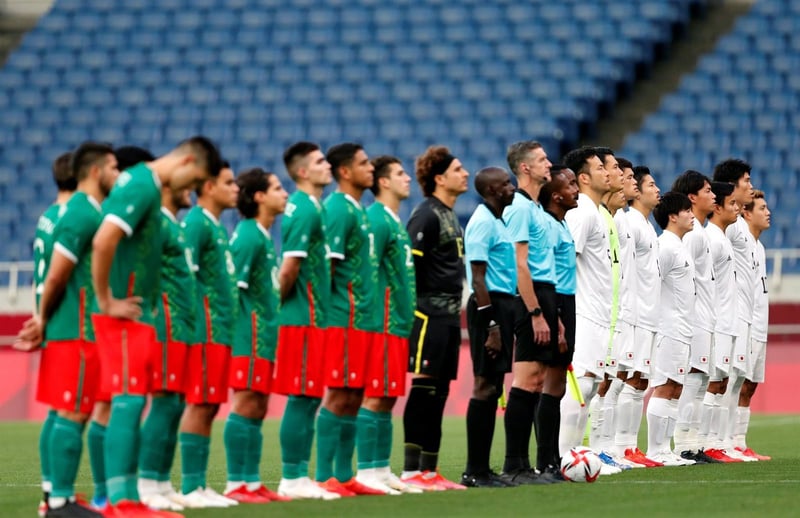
(736, 454)
(160, 503)
(165, 489)
(668, 458)
(213, 495)
(304, 488)
(394, 482)
(198, 500)
(372, 481)
(606, 469)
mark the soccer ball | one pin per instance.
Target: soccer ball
(581, 465)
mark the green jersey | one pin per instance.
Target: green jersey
(303, 232)
(613, 238)
(134, 205)
(396, 285)
(72, 238)
(355, 275)
(259, 292)
(43, 246)
(176, 305)
(215, 273)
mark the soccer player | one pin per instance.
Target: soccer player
(676, 305)
(737, 172)
(261, 199)
(648, 284)
(712, 426)
(593, 293)
(438, 248)
(68, 372)
(757, 215)
(697, 187)
(126, 266)
(209, 355)
(305, 280)
(386, 368)
(492, 311)
(539, 375)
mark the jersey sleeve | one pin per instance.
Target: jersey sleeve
(478, 240)
(244, 249)
(297, 227)
(423, 230)
(338, 224)
(578, 225)
(519, 221)
(666, 259)
(73, 233)
(127, 205)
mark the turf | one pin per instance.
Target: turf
(766, 488)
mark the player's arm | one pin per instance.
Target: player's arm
(104, 247)
(423, 229)
(287, 276)
(541, 331)
(486, 316)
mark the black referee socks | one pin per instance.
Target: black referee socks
(481, 416)
(519, 417)
(548, 415)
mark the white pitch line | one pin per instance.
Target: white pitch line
(710, 482)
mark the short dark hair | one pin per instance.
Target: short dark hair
(602, 152)
(294, 154)
(757, 195)
(129, 156)
(578, 159)
(721, 190)
(206, 154)
(547, 190)
(250, 182)
(89, 154)
(433, 162)
(62, 173)
(624, 163)
(671, 203)
(382, 165)
(517, 152)
(731, 170)
(690, 182)
(639, 172)
(342, 155)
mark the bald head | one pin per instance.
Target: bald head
(488, 176)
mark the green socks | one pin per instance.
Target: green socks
(297, 435)
(122, 447)
(237, 445)
(383, 442)
(169, 454)
(252, 461)
(194, 460)
(345, 448)
(367, 437)
(44, 448)
(329, 431)
(156, 434)
(66, 444)
(95, 440)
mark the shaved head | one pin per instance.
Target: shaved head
(486, 176)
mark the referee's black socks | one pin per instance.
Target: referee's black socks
(481, 415)
(520, 413)
(548, 417)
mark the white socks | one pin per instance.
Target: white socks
(573, 416)
(691, 387)
(706, 418)
(658, 416)
(740, 429)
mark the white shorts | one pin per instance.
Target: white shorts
(626, 353)
(613, 352)
(723, 349)
(591, 347)
(740, 348)
(758, 361)
(670, 361)
(700, 350)
(644, 342)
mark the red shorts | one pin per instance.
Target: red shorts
(346, 357)
(248, 373)
(206, 373)
(386, 366)
(69, 374)
(299, 362)
(169, 365)
(125, 349)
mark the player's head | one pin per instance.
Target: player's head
(259, 188)
(129, 156)
(389, 176)
(756, 212)
(350, 164)
(529, 159)
(62, 173)
(95, 160)
(726, 207)
(674, 211)
(305, 162)
(649, 193)
(437, 169)
(697, 187)
(629, 187)
(562, 189)
(610, 162)
(199, 160)
(494, 186)
(589, 169)
(219, 191)
(737, 172)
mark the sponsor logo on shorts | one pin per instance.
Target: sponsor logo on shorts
(335, 374)
(67, 396)
(239, 374)
(375, 383)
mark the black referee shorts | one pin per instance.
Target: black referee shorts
(527, 350)
(566, 312)
(433, 346)
(506, 312)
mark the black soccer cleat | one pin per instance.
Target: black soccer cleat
(487, 479)
(72, 510)
(553, 474)
(702, 458)
(524, 477)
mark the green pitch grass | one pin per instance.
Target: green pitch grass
(764, 488)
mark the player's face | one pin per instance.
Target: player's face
(728, 211)
(598, 176)
(318, 169)
(108, 174)
(182, 199)
(455, 179)
(615, 174)
(629, 187)
(705, 199)
(568, 190)
(361, 170)
(276, 195)
(399, 183)
(225, 191)
(538, 166)
(504, 189)
(743, 192)
(685, 221)
(650, 193)
(760, 215)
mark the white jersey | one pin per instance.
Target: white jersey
(699, 248)
(648, 279)
(677, 288)
(744, 253)
(758, 331)
(627, 268)
(725, 303)
(593, 263)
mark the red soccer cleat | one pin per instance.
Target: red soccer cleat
(636, 455)
(423, 481)
(719, 455)
(272, 495)
(447, 484)
(357, 488)
(243, 495)
(750, 453)
(334, 486)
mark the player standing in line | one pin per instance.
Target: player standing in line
(351, 319)
(492, 311)
(68, 372)
(676, 305)
(305, 283)
(757, 216)
(438, 248)
(648, 284)
(126, 265)
(261, 199)
(539, 376)
(593, 293)
(737, 172)
(697, 187)
(388, 357)
(209, 355)
(712, 426)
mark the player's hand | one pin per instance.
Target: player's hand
(562, 338)
(493, 343)
(30, 336)
(129, 308)
(541, 331)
